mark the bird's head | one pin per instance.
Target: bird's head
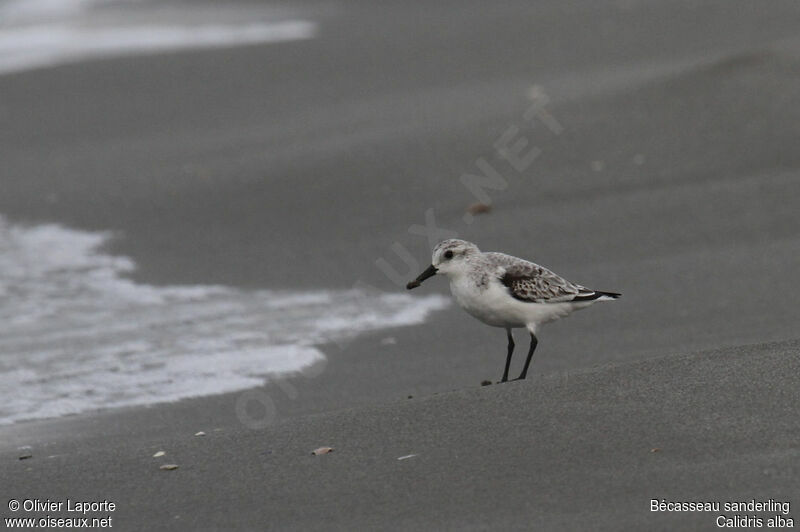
(449, 257)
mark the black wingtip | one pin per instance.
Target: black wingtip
(597, 295)
(612, 295)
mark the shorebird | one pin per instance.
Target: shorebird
(505, 291)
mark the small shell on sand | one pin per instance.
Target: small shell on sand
(322, 450)
(201, 433)
(169, 467)
(159, 454)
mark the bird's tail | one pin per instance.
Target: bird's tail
(607, 296)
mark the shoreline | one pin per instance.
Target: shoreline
(297, 166)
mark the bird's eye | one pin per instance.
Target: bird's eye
(448, 254)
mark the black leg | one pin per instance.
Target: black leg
(534, 342)
(510, 352)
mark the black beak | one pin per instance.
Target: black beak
(430, 272)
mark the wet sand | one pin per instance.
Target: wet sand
(674, 181)
(585, 450)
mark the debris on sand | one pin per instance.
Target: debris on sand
(322, 450)
(479, 208)
(406, 457)
(486, 383)
(201, 433)
(25, 455)
(655, 450)
(159, 454)
(169, 467)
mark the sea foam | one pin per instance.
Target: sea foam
(42, 33)
(76, 334)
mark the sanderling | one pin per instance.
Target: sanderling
(505, 291)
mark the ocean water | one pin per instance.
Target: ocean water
(42, 33)
(77, 335)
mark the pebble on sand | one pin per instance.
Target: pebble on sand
(322, 450)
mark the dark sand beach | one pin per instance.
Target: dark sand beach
(585, 450)
(672, 176)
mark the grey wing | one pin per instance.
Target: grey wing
(532, 283)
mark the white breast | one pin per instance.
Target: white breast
(488, 303)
